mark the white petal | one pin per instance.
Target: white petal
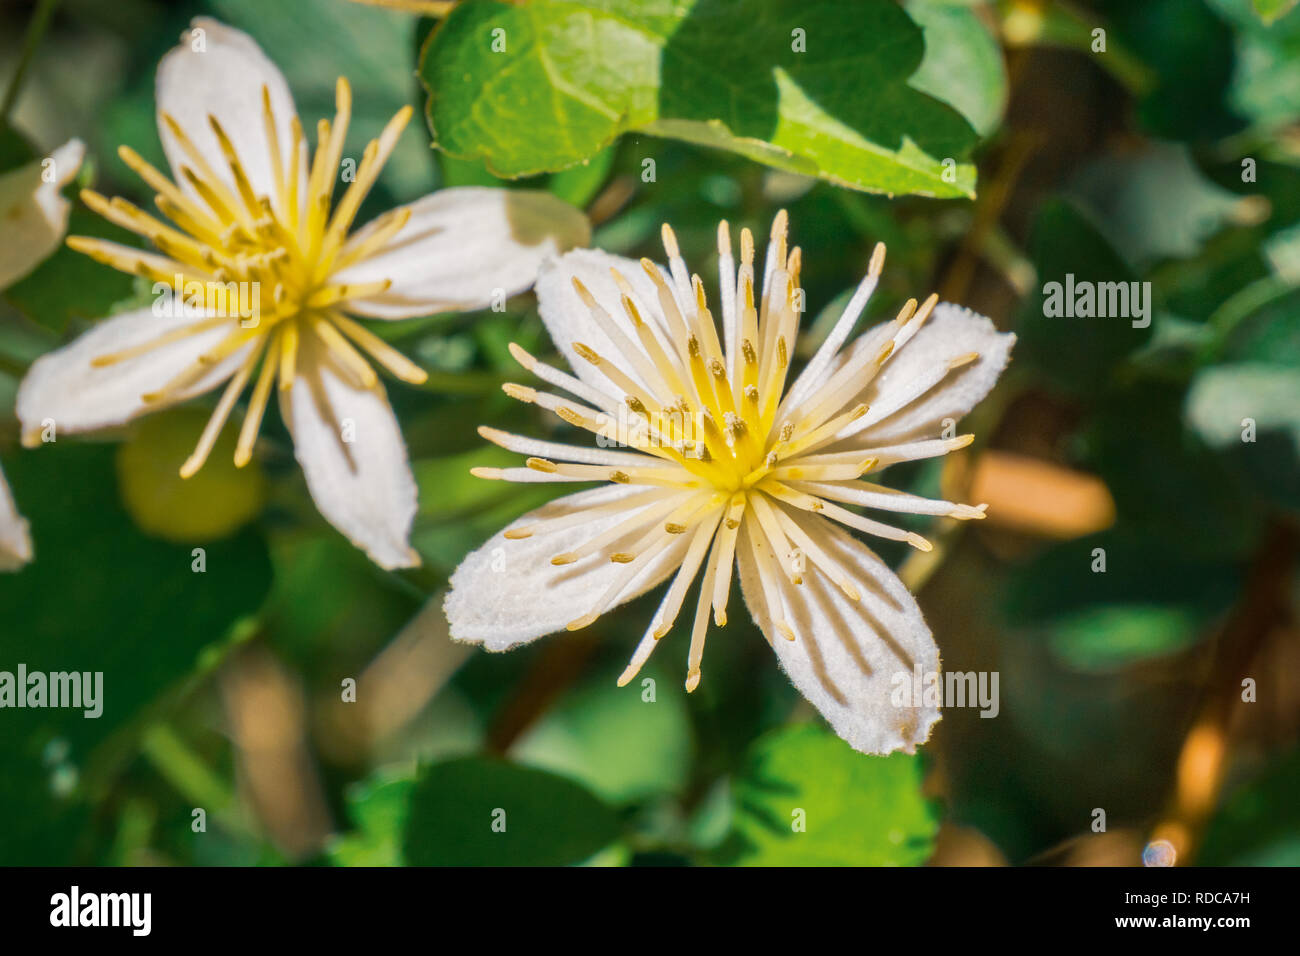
(63, 386)
(464, 248)
(220, 73)
(951, 332)
(568, 319)
(34, 212)
(508, 593)
(351, 450)
(15, 541)
(849, 656)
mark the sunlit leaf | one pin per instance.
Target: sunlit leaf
(808, 799)
(963, 63)
(797, 85)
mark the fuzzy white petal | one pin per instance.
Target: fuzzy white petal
(220, 72)
(508, 593)
(34, 212)
(463, 248)
(64, 387)
(951, 332)
(568, 319)
(848, 655)
(351, 450)
(15, 540)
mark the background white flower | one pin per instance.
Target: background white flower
(35, 216)
(33, 211)
(15, 540)
(726, 466)
(251, 225)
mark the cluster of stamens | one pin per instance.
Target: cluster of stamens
(224, 250)
(718, 441)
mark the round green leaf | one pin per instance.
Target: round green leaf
(479, 811)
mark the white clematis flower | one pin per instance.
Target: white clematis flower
(35, 216)
(725, 466)
(15, 540)
(33, 212)
(250, 228)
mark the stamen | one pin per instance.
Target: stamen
(616, 375)
(167, 338)
(844, 516)
(372, 237)
(724, 556)
(288, 355)
(242, 185)
(832, 568)
(700, 628)
(646, 369)
(787, 555)
(640, 521)
(581, 516)
(390, 358)
(213, 184)
(273, 148)
(809, 470)
(257, 405)
(569, 383)
(350, 360)
(769, 573)
(164, 186)
(213, 428)
(373, 161)
(690, 566)
(625, 577)
(328, 295)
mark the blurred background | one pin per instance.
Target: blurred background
(1135, 585)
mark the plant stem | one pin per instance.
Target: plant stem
(35, 31)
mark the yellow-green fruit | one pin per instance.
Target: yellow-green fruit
(212, 504)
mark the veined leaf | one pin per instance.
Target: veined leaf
(802, 85)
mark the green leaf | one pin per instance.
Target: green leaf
(963, 63)
(1190, 52)
(1110, 637)
(100, 597)
(613, 740)
(1223, 398)
(1270, 10)
(15, 148)
(1060, 584)
(459, 511)
(1155, 202)
(1266, 83)
(1259, 824)
(856, 810)
(1076, 353)
(1166, 483)
(579, 184)
(541, 86)
(541, 819)
(313, 42)
(379, 807)
(1269, 333)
